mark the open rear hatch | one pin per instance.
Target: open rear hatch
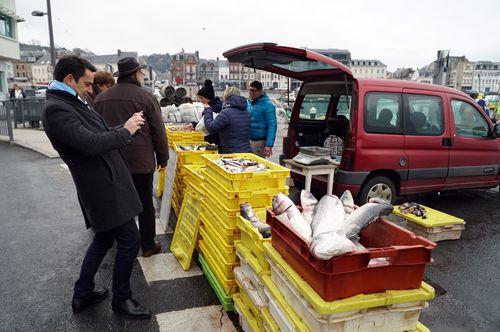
(293, 62)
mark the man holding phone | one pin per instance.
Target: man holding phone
(104, 187)
(116, 105)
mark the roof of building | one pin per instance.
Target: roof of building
(201, 61)
(109, 58)
(368, 60)
(44, 60)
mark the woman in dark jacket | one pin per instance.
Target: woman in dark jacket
(232, 123)
(206, 95)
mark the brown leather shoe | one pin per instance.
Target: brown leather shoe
(153, 251)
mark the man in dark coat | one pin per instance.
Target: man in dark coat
(232, 123)
(103, 183)
(116, 105)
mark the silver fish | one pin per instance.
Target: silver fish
(347, 201)
(247, 213)
(329, 215)
(308, 203)
(363, 216)
(330, 244)
(288, 213)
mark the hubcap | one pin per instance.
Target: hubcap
(380, 190)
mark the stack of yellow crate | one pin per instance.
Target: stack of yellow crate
(182, 137)
(185, 158)
(224, 192)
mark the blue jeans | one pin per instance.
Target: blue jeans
(128, 243)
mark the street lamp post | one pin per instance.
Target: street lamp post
(51, 33)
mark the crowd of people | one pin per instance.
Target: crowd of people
(112, 137)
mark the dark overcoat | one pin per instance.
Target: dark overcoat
(90, 148)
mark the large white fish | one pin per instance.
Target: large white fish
(329, 215)
(308, 203)
(363, 216)
(347, 201)
(330, 244)
(288, 213)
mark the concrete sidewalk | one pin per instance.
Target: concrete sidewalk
(36, 140)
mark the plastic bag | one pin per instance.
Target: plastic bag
(188, 112)
(201, 126)
(198, 110)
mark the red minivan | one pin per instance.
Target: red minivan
(400, 137)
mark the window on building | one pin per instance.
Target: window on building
(382, 114)
(424, 115)
(6, 26)
(468, 120)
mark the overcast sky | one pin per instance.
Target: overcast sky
(399, 33)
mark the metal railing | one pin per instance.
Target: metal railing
(6, 121)
(27, 112)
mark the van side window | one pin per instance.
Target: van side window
(344, 106)
(382, 113)
(468, 120)
(314, 107)
(425, 115)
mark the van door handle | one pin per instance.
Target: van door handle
(447, 142)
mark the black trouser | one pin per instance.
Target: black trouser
(144, 186)
(128, 243)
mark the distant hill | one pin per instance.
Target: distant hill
(159, 62)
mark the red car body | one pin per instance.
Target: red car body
(438, 138)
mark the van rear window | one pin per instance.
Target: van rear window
(382, 113)
(315, 106)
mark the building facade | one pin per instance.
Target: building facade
(223, 66)
(184, 67)
(343, 56)
(368, 68)
(41, 71)
(460, 73)
(208, 70)
(9, 44)
(486, 77)
(235, 74)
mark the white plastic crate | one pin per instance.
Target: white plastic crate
(247, 270)
(397, 317)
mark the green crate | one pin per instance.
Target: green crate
(225, 300)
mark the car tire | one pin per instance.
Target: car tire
(378, 186)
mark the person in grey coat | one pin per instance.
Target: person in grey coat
(232, 123)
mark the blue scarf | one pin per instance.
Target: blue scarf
(56, 85)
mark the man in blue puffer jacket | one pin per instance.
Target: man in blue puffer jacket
(263, 124)
(232, 123)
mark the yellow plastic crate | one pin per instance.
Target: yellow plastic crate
(182, 134)
(223, 263)
(247, 322)
(191, 157)
(229, 284)
(253, 240)
(268, 321)
(252, 270)
(422, 328)
(249, 294)
(186, 232)
(438, 226)
(226, 249)
(228, 218)
(362, 301)
(228, 235)
(394, 317)
(225, 235)
(253, 312)
(284, 315)
(274, 177)
(194, 172)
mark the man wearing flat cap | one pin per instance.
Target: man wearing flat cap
(149, 149)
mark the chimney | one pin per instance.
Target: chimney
(119, 52)
(197, 55)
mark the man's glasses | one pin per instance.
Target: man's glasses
(253, 90)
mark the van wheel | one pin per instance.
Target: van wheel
(379, 186)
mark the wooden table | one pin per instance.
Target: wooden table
(309, 170)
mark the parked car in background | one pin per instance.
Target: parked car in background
(400, 137)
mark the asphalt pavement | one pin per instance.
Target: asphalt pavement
(43, 240)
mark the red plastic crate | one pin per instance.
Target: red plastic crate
(348, 275)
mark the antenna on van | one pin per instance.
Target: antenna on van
(346, 93)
